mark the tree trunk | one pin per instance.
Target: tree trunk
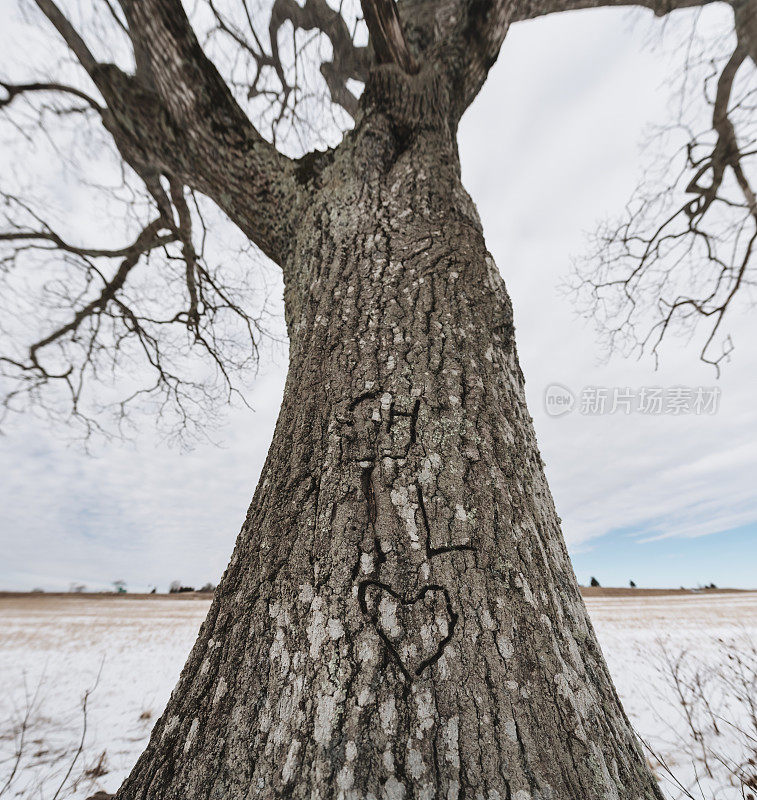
(399, 618)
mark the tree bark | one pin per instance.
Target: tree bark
(399, 618)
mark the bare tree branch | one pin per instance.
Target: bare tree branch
(116, 324)
(745, 20)
(15, 90)
(178, 96)
(69, 34)
(142, 244)
(530, 9)
(685, 250)
(472, 46)
(348, 61)
(147, 240)
(387, 36)
(108, 319)
(184, 232)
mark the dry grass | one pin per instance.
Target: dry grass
(714, 732)
(626, 591)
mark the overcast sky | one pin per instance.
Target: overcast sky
(550, 147)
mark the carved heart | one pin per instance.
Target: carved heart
(415, 629)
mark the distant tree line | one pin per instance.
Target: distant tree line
(177, 587)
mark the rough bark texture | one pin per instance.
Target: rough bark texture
(400, 618)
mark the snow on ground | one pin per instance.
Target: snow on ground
(56, 647)
(52, 651)
(708, 641)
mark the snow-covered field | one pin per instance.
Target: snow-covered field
(128, 653)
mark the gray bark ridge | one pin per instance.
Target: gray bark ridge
(399, 618)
